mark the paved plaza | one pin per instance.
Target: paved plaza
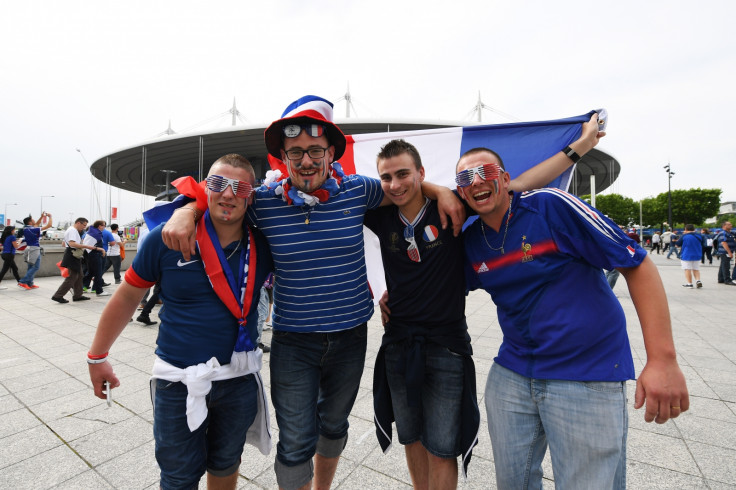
(55, 434)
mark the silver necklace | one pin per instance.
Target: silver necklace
(236, 249)
(483, 230)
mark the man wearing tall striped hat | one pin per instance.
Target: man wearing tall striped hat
(313, 221)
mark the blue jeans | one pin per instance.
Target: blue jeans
(436, 423)
(31, 272)
(216, 445)
(584, 424)
(673, 249)
(314, 383)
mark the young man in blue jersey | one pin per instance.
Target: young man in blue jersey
(424, 374)
(32, 233)
(206, 386)
(559, 377)
(691, 246)
(313, 221)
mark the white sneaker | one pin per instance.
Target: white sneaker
(103, 293)
(3, 287)
(688, 286)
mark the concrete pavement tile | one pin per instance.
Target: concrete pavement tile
(50, 391)
(85, 481)
(17, 421)
(726, 392)
(716, 463)
(392, 463)
(713, 485)
(364, 477)
(44, 470)
(26, 444)
(88, 421)
(254, 463)
(643, 475)
(696, 386)
(21, 383)
(67, 405)
(710, 409)
(708, 431)
(362, 439)
(481, 475)
(110, 442)
(12, 368)
(718, 376)
(137, 402)
(662, 451)
(363, 407)
(134, 469)
(9, 403)
(722, 363)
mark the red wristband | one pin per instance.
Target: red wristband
(95, 357)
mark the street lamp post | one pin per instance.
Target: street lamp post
(5, 216)
(42, 205)
(670, 173)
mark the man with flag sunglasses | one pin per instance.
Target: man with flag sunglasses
(206, 386)
(559, 378)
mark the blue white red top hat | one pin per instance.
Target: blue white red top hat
(309, 108)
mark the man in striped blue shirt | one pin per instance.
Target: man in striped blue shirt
(313, 221)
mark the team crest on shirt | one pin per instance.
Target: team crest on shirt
(430, 233)
(631, 250)
(525, 249)
(394, 239)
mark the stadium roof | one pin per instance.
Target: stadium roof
(145, 168)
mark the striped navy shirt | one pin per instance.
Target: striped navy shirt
(321, 284)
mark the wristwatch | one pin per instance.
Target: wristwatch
(571, 154)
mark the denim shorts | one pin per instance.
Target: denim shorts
(314, 383)
(437, 422)
(216, 445)
(583, 422)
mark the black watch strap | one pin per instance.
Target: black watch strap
(571, 154)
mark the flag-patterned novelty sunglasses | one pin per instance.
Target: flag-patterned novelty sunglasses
(487, 171)
(294, 130)
(218, 183)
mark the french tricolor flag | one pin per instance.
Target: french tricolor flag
(521, 145)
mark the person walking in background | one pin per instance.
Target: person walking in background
(726, 247)
(32, 233)
(10, 244)
(666, 238)
(656, 241)
(691, 244)
(72, 260)
(114, 258)
(673, 245)
(707, 246)
(95, 258)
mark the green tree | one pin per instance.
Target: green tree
(688, 206)
(622, 210)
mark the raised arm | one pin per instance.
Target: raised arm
(661, 383)
(546, 171)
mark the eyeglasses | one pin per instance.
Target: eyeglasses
(487, 171)
(218, 183)
(294, 130)
(413, 250)
(297, 153)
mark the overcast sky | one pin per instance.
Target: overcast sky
(100, 76)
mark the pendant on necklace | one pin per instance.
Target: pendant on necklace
(502, 252)
(306, 221)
